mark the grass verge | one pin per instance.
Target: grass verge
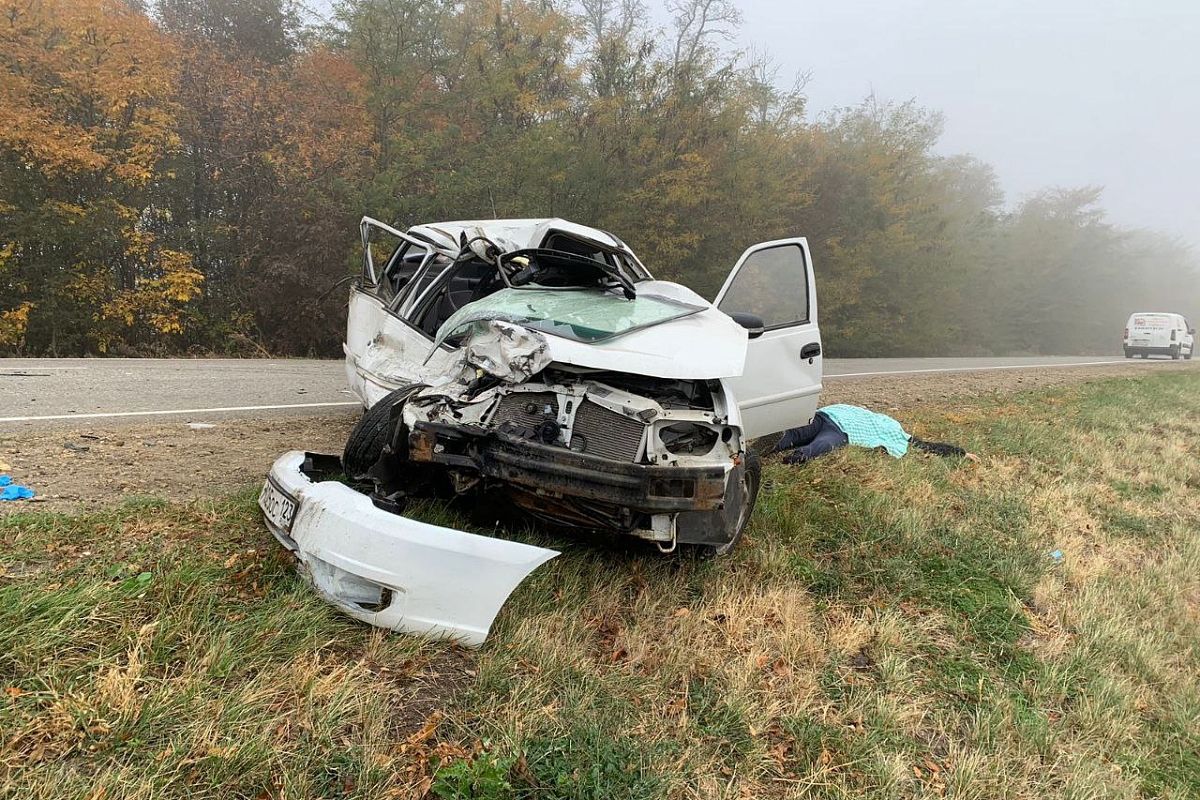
(1025, 627)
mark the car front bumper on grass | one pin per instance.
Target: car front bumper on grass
(389, 570)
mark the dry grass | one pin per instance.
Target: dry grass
(888, 629)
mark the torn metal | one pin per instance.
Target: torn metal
(537, 364)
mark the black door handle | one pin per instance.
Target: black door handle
(810, 350)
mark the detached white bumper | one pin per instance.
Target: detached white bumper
(389, 570)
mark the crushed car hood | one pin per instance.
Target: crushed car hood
(682, 336)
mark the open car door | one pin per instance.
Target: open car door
(384, 349)
(781, 383)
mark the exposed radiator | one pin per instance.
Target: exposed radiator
(525, 409)
(606, 433)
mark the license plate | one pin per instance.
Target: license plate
(277, 506)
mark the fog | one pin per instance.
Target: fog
(201, 167)
(1050, 92)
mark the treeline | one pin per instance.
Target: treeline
(187, 177)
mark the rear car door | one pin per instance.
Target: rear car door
(781, 383)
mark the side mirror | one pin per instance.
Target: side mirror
(753, 323)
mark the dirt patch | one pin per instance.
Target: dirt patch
(81, 468)
(87, 468)
(430, 690)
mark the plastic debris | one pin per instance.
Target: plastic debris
(13, 491)
(1057, 556)
(200, 426)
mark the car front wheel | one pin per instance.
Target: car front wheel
(742, 494)
(365, 445)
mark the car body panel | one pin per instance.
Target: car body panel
(624, 418)
(383, 351)
(442, 582)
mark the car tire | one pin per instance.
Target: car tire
(1128, 354)
(370, 434)
(749, 484)
(1191, 353)
(1175, 353)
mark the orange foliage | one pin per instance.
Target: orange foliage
(81, 88)
(86, 121)
(13, 324)
(328, 127)
(159, 301)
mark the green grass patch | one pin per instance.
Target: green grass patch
(888, 628)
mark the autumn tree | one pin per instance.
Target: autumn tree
(85, 123)
(231, 145)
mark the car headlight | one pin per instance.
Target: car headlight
(688, 438)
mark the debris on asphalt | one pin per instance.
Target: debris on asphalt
(200, 426)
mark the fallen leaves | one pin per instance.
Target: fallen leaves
(932, 776)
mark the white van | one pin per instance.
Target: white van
(1161, 333)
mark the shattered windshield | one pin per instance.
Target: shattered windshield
(585, 316)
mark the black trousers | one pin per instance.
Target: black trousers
(814, 439)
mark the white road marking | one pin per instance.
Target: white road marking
(222, 409)
(110, 414)
(971, 369)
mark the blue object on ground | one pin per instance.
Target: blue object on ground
(1057, 555)
(868, 429)
(11, 491)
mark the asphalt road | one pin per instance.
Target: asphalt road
(35, 391)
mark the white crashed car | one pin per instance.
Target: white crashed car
(538, 362)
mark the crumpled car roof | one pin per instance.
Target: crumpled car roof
(515, 234)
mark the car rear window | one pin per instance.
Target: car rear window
(1151, 321)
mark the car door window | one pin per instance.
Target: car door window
(773, 284)
(430, 269)
(401, 268)
(467, 281)
(385, 256)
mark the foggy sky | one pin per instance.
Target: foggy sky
(1050, 92)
